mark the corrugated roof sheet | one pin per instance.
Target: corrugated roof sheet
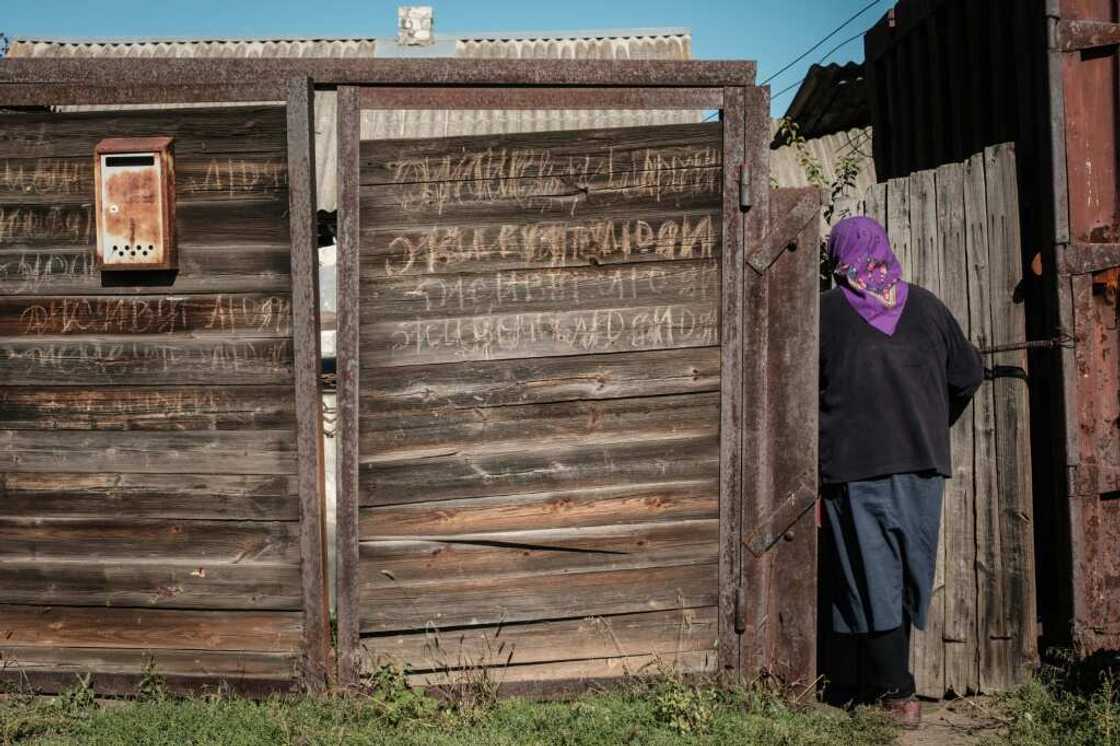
(665, 44)
(832, 98)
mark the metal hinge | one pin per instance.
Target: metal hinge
(744, 187)
(1080, 36)
(740, 610)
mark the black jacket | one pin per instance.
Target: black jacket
(887, 401)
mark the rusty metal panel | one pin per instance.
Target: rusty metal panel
(1085, 38)
(134, 181)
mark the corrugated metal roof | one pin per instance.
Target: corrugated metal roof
(665, 44)
(831, 99)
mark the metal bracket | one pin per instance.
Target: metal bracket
(1077, 36)
(744, 187)
(777, 524)
(785, 231)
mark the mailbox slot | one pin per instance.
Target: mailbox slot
(135, 194)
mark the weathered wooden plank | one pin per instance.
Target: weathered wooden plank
(600, 235)
(130, 581)
(502, 383)
(512, 335)
(497, 600)
(416, 562)
(989, 557)
(440, 203)
(1012, 407)
(925, 256)
(140, 496)
(562, 155)
(875, 203)
(25, 181)
(147, 408)
(539, 290)
(574, 676)
(660, 633)
(197, 132)
(308, 359)
(213, 268)
(223, 451)
(259, 220)
(793, 384)
(107, 661)
(612, 505)
(130, 539)
(147, 360)
(251, 314)
(927, 659)
(898, 222)
(150, 629)
(483, 474)
(746, 463)
(386, 437)
(349, 388)
(958, 516)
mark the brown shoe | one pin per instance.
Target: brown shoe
(907, 713)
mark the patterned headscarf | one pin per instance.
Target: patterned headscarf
(869, 272)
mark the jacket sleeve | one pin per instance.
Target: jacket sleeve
(964, 368)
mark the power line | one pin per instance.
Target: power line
(831, 52)
(821, 43)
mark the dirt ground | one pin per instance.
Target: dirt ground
(960, 722)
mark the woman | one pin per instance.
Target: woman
(896, 370)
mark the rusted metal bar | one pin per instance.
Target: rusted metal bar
(349, 225)
(510, 99)
(1088, 258)
(1076, 36)
(117, 72)
(1060, 341)
(309, 423)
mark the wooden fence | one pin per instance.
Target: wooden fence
(956, 231)
(150, 480)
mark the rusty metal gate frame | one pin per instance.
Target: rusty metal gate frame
(745, 588)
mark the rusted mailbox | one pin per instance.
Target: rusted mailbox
(134, 185)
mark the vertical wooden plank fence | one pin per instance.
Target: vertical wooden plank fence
(956, 232)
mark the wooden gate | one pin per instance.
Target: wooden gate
(542, 385)
(159, 466)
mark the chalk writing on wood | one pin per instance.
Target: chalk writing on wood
(156, 315)
(513, 288)
(104, 357)
(46, 176)
(34, 270)
(72, 223)
(556, 244)
(641, 328)
(522, 175)
(239, 176)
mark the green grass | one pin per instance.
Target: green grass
(663, 712)
(1071, 702)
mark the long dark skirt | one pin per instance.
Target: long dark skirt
(883, 551)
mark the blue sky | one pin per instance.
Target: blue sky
(773, 32)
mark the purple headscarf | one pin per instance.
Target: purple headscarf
(869, 272)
